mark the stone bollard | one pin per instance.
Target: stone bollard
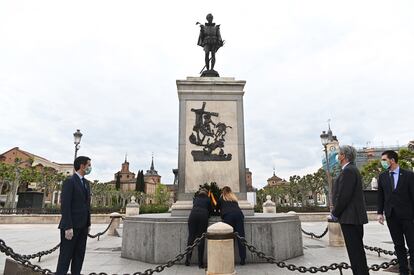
(269, 206)
(116, 220)
(335, 234)
(14, 268)
(220, 249)
(132, 208)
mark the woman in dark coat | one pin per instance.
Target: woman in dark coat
(197, 224)
(231, 214)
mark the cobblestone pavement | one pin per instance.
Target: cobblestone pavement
(104, 255)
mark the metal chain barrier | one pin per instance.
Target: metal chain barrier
(47, 252)
(312, 269)
(40, 254)
(19, 258)
(370, 248)
(101, 233)
(313, 235)
(379, 250)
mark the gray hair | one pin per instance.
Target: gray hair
(349, 152)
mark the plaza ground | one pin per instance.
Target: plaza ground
(105, 255)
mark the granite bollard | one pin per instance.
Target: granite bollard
(336, 238)
(116, 220)
(220, 249)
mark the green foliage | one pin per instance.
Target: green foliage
(118, 181)
(373, 168)
(140, 184)
(370, 170)
(212, 187)
(297, 191)
(406, 159)
(153, 208)
(161, 196)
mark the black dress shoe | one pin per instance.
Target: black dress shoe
(242, 261)
(201, 265)
(187, 262)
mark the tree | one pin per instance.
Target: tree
(19, 174)
(49, 180)
(406, 158)
(295, 190)
(370, 170)
(161, 195)
(6, 176)
(317, 183)
(118, 181)
(140, 183)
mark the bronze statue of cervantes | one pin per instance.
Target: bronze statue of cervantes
(210, 40)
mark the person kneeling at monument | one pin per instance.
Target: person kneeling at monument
(231, 214)
(197, 224)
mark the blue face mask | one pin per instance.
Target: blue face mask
(385, 164)
(88, 170)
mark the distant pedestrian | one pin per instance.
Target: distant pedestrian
(349, 209)
(232, 215)
(76, 218)
(197, 224)
(396, 199)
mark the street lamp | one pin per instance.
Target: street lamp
(77, 139)
(325, 139)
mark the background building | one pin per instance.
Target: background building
(366, 154)
(29, 159)
(126, 178)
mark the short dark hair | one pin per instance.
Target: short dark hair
(80, 160)
(391, 155)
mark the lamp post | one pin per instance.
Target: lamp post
(77, 139)
(325, 139)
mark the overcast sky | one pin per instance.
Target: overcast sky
(109, 69)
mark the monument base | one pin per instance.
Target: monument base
(182, 208)
(210, 73)
(157, 238)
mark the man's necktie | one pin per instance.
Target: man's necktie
(392, 180)
(84, 185)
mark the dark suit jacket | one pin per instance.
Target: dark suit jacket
(348, 198)
(75, 204)
(399, 201)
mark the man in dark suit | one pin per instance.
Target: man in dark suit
(396, 199)
(76, 218)
(349, 209)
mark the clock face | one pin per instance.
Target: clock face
(332, 148)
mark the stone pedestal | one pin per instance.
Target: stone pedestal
(220, 249)
(132, 208)
(269, 206)
(157, 238)
(335, 234)
(211, 139)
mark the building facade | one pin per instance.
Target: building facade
(366, 154)
(26, 160)
(151, 179)
(125, 177)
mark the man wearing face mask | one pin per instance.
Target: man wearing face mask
(349, 209)
(396, 199)
(76, 218)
